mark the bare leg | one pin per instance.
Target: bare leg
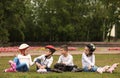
(38, 65)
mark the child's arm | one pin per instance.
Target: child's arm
(50, 63)
(93, 59)
(30, 61)
(87, 60)
(37, 58)
(60, 60)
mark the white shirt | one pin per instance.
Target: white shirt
(68, 60)
(88, 60)
(25, 59)
(44, 61)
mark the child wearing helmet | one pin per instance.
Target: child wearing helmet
(44, 62)
(88, 61)
(22, 61)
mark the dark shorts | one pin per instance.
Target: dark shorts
(63, 67)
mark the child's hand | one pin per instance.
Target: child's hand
(63, 63)
(38, 65)
(42, 67)
(89, 67)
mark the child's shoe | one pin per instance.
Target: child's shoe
(12, 64)
(115, 65)
(42, 71)
(112, 68)
(10, 70)
(105, 68)
(100, 70)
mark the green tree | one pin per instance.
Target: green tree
(12, 15)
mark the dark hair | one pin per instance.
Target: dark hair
(65, 47)
(52, 50)
(91, 48)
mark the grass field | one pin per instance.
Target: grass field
(101, 60)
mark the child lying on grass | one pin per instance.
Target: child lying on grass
(88, 61)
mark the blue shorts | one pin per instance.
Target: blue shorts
(93, 69)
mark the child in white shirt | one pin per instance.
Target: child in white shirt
(88, 61)
(22, 62)
(65, 62)
(45, 61)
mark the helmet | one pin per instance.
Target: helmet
(51, 48)
(23, 46)
(91, 47)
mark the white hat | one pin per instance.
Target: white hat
(23, 46)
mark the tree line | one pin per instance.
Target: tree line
(58, 20)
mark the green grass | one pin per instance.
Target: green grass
(101, 60)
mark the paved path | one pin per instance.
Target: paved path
(99, 50)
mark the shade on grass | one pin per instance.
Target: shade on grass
(101, 60)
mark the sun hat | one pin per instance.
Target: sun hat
(23, 46)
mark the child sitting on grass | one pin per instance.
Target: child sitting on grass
(88, 61)
(45, 61)
(22, 62)
(65, 62)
